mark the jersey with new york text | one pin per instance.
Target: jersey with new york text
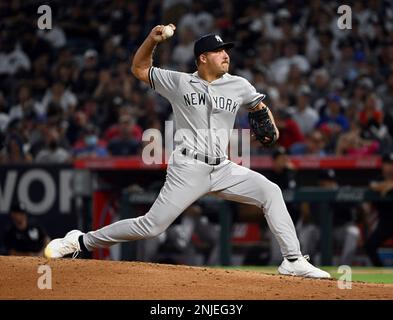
(204, 112)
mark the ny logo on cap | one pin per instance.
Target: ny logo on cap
(218, 38)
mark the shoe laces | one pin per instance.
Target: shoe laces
(69, 247)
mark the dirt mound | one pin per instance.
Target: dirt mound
(95, 279)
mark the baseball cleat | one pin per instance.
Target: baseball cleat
(302, 268)
(61, 247)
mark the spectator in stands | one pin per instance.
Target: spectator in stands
(64, 72)
(12, 58)
(14, 151)
(40, 78)
(352, 143)
(289, 130)
(27, 106)
(320, 49)
(59, 100)
(304, 115)
(371, 119)
(125, 144)
(77, 123)
(113, 132)
(344, 67)
(2, 142)
(105, 88)
(332, 122)
(384, 227)
(283, 170)
(333, 116)
(197, 19)
(183, 54)
(385, 56)
(320, 79)
(33, 45)
(134, 36)
(385, 91)
(89, 145)
(24, 237)
(357, 98)
(4, 117)
(87, 79)
(265, 59)
(37, 135)
(53, 152)
(295, 80)
(290, 57)
(55, 36)
(346, 233)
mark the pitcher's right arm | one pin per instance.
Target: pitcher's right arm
(143, 58)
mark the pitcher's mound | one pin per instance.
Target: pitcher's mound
(96, 279)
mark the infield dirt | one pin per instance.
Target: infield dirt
(96, 279)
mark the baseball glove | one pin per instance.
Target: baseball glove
(262, 127)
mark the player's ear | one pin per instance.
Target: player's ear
(202, 58)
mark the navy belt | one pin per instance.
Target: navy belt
(201, 157)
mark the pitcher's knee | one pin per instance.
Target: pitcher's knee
(269, 193)
(150, 229)
(156, 230)
(153, 230)
(272, 190)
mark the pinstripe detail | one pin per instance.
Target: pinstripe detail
(151, 81)
(257, 101)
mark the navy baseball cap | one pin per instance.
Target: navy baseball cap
(210, 42)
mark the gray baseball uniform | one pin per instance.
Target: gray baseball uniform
(201, 110)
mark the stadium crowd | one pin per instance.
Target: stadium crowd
(68, 92)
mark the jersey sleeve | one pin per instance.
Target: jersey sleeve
(165, 82)
(251, 98)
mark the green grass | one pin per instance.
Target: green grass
(366, 274)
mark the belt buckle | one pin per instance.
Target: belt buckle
(201, 157)
(214, 161)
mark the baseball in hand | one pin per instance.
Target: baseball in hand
(167, 32)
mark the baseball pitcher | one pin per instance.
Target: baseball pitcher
(204, 103)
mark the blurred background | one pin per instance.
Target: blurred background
(72, 118)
